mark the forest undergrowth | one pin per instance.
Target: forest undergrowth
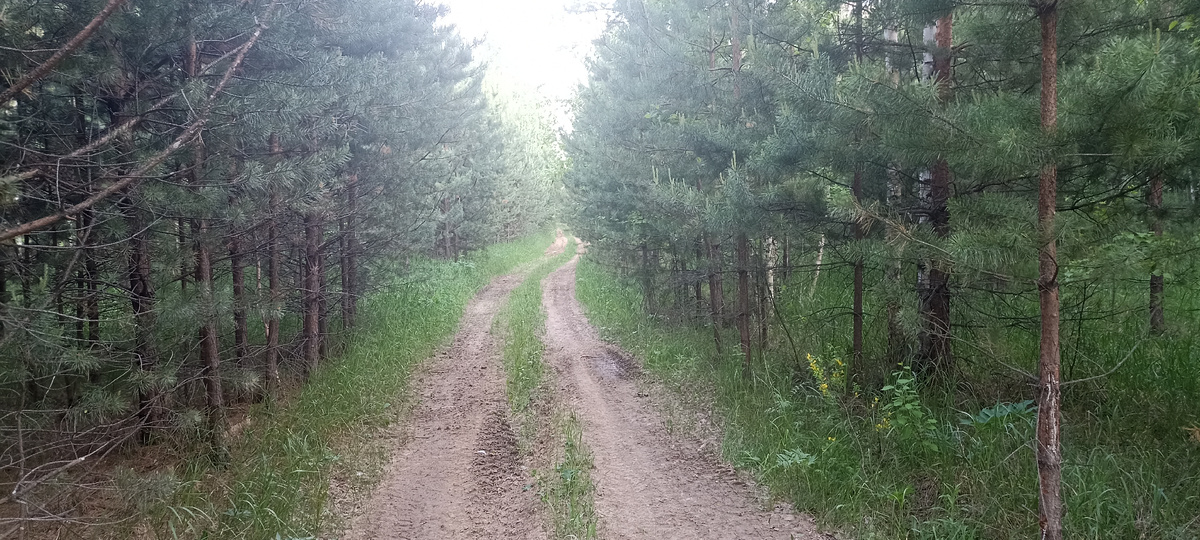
(901, 459)
(548, 434)
(276, 483)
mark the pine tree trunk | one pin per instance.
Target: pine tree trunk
(322, 309)
(897, 342)
(743, 315)
(935, 356)
(683, 293)
(312, 289)
(716, 299)
(1049, 444)
(241, 333)
(856, 336)
(444, 233)
(210, 351)
(1158, 323)
(856, 189)
(764, 292)
(349, 252)
(26, 258)
(4, 300)
(141, 297)
(237, 273)
(274, 262)
(697, 285)
(91, 271)
(647, 280)
(181, 244)
(785, 271)
(343, 266)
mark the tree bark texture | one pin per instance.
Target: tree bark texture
(1049, 428)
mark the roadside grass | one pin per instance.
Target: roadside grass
(550, 436)
(276, 482)
(893, 462)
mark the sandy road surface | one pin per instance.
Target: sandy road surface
(649, 484)
(459, 476)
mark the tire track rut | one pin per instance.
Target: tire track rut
(649, 484)
(458, 474)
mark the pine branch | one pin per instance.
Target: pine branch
(62, 53)
(128, 180)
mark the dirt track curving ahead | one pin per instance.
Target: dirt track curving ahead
(650, 485)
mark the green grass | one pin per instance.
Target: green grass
(893, 462)
(276, 482)
(565, 485)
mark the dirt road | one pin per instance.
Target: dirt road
(649, 484)
(457, 473)
(459, 476)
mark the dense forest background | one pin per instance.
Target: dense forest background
(196, 195)
(943, 251)
(930, 261)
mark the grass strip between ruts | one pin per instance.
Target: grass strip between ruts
(546, 431)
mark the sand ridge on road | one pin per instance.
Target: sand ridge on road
(459, 476)
(648, 485)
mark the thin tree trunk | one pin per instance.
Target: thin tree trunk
(897, 341)
(1049, 444)
(716, 299)
(241, 331)
(856, 335)
(935, 354)
(765, 292)
(322, 309)
(349, 253)
(812, 291)
(647, 280)
(312, 290)
(444, 236)
(1154, 199)
(743, 315)
(3, 291)
(237, 272)
(210, 352)
(697, 285)
(141, 297)
(856, 189)
(181, 244)
(271, 367)
(785, 271)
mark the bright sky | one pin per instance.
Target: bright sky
(540, 44)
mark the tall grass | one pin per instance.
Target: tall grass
(552, 437)
(898, 463)
(276, 484)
